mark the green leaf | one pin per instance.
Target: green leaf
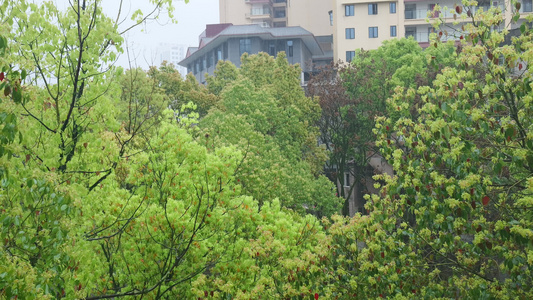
(17, 95)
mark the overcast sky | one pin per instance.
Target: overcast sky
(143, 41)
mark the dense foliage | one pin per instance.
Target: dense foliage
(107, 193)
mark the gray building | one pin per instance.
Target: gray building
(228, 42)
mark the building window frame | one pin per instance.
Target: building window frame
(350, 56)
(372, 8)
(220, 55)
(393, 31)
(411, 31)
(527, 5)
(346, 179)
(349, 10)
(245, 46)
(209, 60)
(373, 32)
(272, 48)
(290, 48)
(225, 50)
(392, 7)
(350, 33)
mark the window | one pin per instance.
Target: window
(350, 55)
(219, 53)
(393, 31)
(430, 31)
(290, 49)
(372, 32)
(431, 8)
(350, 33)
(209, 60)
(410, 11)
(528, 5)
(348, 10)
(272, 49)
(410, 31)
(245, 45)
(346, 179)
(225, 50)
(392, 7)
(330, 17)
(373, 9)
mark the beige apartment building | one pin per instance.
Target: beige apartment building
(367, 23)
(313, 15)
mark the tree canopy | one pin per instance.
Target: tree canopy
(106, 192)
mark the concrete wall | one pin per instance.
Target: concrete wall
(312, 15)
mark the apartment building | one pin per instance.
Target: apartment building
(173, 53)
(367, 23)
(312, 15)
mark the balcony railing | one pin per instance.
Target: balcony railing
(260, 11)
(258, 1)
(423, 37)
(418, 14)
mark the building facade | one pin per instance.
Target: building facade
(312, 15)
(228, 42)
(365, 24)
(173, 53)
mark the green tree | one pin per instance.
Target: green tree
(265, 113)
(454, 221)
(98, 202)
(352, 96)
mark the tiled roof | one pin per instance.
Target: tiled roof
(266, 33)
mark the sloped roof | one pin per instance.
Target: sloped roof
(254, 30)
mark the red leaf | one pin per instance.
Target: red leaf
(520, 66)
(316, 296)
(382, 254)
(485, 200)
(2, 76)
(458, 9)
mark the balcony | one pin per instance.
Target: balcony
(279, 3)
(259, 13)
(422, 14)
(257, 1)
